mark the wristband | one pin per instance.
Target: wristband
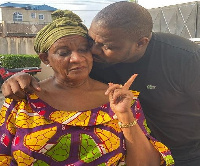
(127, 125)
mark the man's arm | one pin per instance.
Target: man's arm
(16, 86)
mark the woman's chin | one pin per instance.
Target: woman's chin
(77, 77)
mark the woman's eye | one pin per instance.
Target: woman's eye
(84, 50)
(64, 53)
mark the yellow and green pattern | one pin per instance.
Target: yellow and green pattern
(35, 133)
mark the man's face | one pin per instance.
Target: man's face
(111, 45)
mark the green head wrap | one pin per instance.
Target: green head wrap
(64, 23)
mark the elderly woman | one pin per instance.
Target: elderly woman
(75, 120)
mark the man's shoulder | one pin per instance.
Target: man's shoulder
(174, 40)
(161, 36)
(174, 43)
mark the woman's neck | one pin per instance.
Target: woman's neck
(83, 95)
(72, 84)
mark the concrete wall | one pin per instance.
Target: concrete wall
(180, 19)
(0, 15)
(16, 45)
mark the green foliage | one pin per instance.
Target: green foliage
(11, 61)
(133, 1)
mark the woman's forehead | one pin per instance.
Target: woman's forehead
(70, 40)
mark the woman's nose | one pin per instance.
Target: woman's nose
(75, 56)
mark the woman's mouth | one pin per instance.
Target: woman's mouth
(77, 68)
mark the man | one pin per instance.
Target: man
(168, 75)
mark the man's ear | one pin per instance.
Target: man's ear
(44, 58)
(143, 42)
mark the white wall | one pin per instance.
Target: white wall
(0, 16)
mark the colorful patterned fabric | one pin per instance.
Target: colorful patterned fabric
(34, 133)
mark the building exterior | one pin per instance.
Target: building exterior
(23, 19)
(19, 23)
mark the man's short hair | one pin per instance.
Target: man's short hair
(131, 17)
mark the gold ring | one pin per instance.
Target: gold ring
(120, 86)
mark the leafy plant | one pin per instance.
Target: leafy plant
(136, 1)
(12, 61)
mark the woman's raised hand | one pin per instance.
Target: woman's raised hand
(120, 96)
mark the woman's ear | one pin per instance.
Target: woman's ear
(44, 58)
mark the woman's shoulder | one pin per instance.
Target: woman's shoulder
(100, 85)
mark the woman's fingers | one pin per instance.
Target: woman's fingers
(112, 87)
(126, 86)
(130, 81)
(120, 96)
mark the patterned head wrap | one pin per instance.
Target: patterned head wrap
(64, 23)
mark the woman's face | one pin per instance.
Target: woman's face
(70, 58)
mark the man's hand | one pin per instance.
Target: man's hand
(20, 83)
